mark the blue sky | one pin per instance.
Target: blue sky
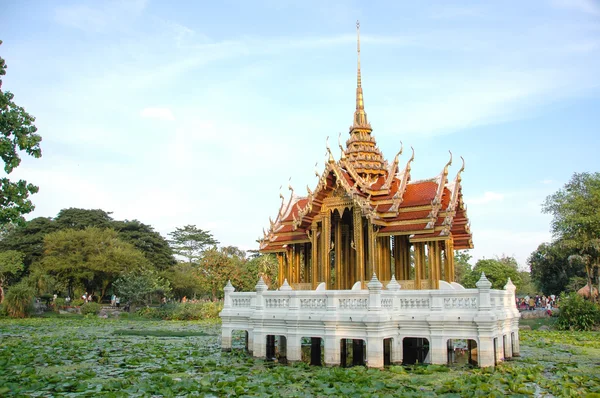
(197, 112)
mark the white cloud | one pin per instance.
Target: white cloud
(487, 197)
(547, 181)
(157, 113)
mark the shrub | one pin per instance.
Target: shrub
(19, 301)
(182, 311)
(577, 313)
(91, 308)
(77, 302)
(59, 303)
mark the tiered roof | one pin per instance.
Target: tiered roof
(428, 209)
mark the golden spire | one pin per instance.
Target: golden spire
(360, 116)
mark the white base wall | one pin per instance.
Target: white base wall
(489, 317)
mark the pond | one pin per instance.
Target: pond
(112, 357)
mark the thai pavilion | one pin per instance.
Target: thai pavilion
(365, 216)
(366, 223)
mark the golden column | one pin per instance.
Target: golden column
(419, 263)
(359, 254)
(435, 257)
(402, 257)
(326, 248)
(449, 261)
(281, 270)
(371, 265)
(439, 257)
(338, 253)
(297, 262)
(306, 264)
(289, 259)
(347, 265)
(388, 258)
(314, 266)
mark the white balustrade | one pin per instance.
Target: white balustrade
(411, 313)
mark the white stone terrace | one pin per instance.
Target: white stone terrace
(486, 316)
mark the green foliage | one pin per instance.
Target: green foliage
(11, 262)
(91, 308)
(551, 269)
(155, 248)
(462, 266)
(17, 134)
(95, 357)
(576, 219)
(78, 302)
(19, 301)
(191, 242)
(497, 271)
(217, 266)
(183, 311)
(185, 280)
(264, 265)
(59, 303)
(137, 287)
(576, 313)
(91, 257)
(29, 238)
(527, 285)
(74, 218)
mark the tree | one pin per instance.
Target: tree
(497, 272)
(576, 220)
(551, 269)
(217, 266)
(92, 258)
(462, 266)
(74, 218)
(138, 287)
(190, 242)
(185, 280)
(17, 133)
(265, 265)
(11, 262)
(154, 246)
(29, 239)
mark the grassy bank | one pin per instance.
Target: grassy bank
(128, 357)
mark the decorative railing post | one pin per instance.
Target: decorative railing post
(228, 289)
(374, 293)
(484, 286)
(486, 321)
(511, 289)
(260, 287)
(394, 286)
(226, 331)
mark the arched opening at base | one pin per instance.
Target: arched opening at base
(239, 340)
(387, 351)
(462, 352)
(313, 351)
(514, 344)
(276, 349)
(495, 351)
(415, 350)
(352, 352)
